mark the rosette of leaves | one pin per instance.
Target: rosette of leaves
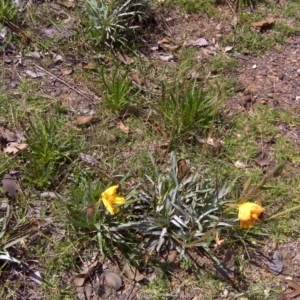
(112, 22)
(181, 214)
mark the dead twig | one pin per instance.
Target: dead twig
(63, 82)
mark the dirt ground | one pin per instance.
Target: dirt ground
(272, 80)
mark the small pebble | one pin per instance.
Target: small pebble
(270, 95)
(281, 76)
(298, 72)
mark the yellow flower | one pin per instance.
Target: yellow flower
(249, 213)
(111, 199)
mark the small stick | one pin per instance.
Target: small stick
(62, 81)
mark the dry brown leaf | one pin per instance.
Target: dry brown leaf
(136, 78)
(121, 125)
(83, 120)
(85, 157)
(104, 291)
(240, 165)
(10, 186)
(133, 273)
(125, 59)
(228, 49)
(82, 277)
(263, 159)
(113, 280)
(192, 74)
(90, 66)
(294, 285)
(264, 24)
(10, 136)
(164, 41)
(184, 170)
(201, 42)
(167, 45)
(67, 70)
(15, 148)
(228, 263)
(67, 4)
(164, 57)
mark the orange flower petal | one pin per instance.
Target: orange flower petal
(249, 213)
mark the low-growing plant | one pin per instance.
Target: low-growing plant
(111, 229)
(117, 89)
(51, 150)
(8, 10)
(178, 213)
(187, 108)
(112, 22)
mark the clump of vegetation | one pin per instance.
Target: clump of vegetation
(8, 11)
(115, 22)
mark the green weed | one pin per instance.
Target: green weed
(112, 23)
(207, 6)
(52, 150)
(185, 108)
(117, 89)
(8, 11)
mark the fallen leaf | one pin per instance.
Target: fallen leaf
(104, 291)
(228, 265)
(33, 54)
(228, 261)
(240, 165)
(83, 277)
(67, 70)
(264, 24)
(84, 292)
(3, 33)
(133, 273)
(67, 4)
(87, 158)
(228, 49)
(183, 170)
(125, 59)
(121, 125)
(275, 265)
(15, 148)
(90, 66)
(166, 57)
(165, 40)
(263, 159)
(294, 285)
(33, 74)
(201, 42)
(166, 45)
(36, 277)
(56, 57)
(9, 136)
(192, 74)
(10, 186)
(50, 195)
(83, 120)
(136, 78)
(113, 280)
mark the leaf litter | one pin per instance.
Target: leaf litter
(194, 40)
(10, 186)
